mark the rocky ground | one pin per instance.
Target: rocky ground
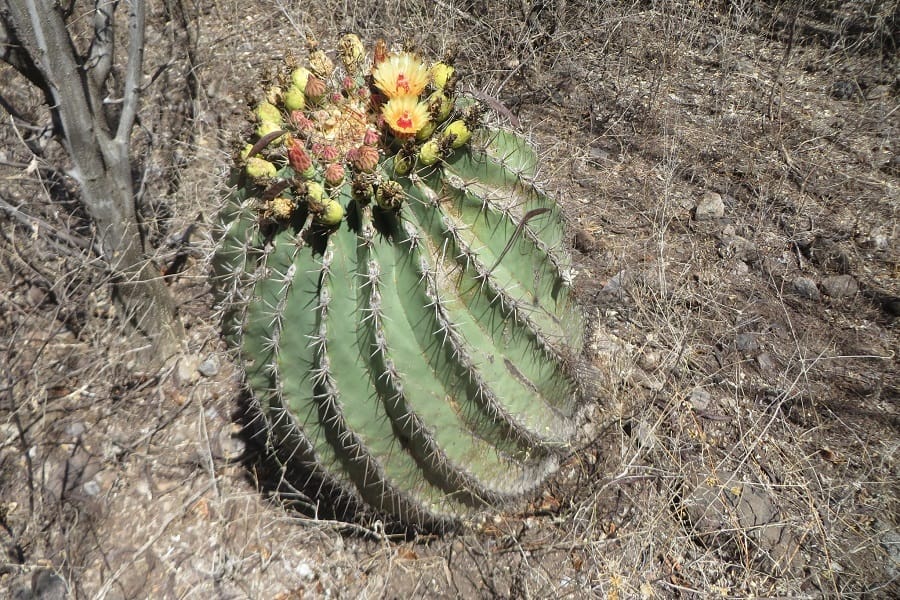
(730, 174)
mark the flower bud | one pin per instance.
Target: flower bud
(330, 153)
(334, 174)
(298, 158)
(315, 88)
(304, 124)
(364, 158)
(402, 164)
(371, 137)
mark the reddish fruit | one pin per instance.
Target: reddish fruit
(364, 158)
(315, 88)
(334, 174)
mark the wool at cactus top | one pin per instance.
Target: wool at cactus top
(399, 291)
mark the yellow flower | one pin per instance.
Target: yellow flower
(402, 74)
(405, 115)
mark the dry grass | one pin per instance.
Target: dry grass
(743, 439)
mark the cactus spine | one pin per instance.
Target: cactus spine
(405, 330)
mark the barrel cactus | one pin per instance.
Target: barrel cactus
(398, 289)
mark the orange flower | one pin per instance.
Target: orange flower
(405, 115)
(402, 74)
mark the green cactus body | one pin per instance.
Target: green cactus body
(414, 360)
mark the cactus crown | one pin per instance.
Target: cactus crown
(399, 290)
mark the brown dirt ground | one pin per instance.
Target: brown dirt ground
(743, 441)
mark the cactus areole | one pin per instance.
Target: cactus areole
(401, 302)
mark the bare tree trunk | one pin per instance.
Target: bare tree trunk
(39, 46)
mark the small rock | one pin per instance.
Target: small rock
(766, 362)
(209, 367)
(607, 347)
(700, 399)
(877, 240)
(877, 92)
(616, 284)
(305, 571)
(91, 488)
(739, 268)
(645, 380)
(650, 359)
(746, 342)
(775, 268)
(891, 306)
(840, 286)
(47, 585)
(890, 541)
(644, 435)
(737, 247)
(844, 89)
(75, 429)
(806, 288)
(186, 371)
(20, 592)
(726, 512)
(585, 241)
(711, 206)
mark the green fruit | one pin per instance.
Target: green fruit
(331, 213)
(299, 77)
(429, 153)
(389, 195)
(426, 131)
(259, 169)
(315, 191)
(267, 111)
(461, 133)
(440, 74)
(267, 127)
(294, 99)
(439, 106)
(245, 151)
(402, 164)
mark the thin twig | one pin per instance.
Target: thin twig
(131, 93)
